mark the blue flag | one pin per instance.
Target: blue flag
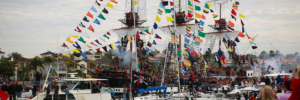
(154, 42)
(202, 23)
(97, 21)
(84, 55)
(93, 9)
(243, 29)
(155, 26)
(161, 5)
(147, 49)
(77, 45)
(220, 53)
(186, 40)
(118, 42)
(226, 35)
(233, 43)
(98, 42)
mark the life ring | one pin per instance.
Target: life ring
(232, 73)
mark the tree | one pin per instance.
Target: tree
(49, 60)
(155, 52)
(107, 55)
(7, 68)
(14, 54)
(53, 72)
(93, 64)
(79, 73)
(272, 53)
(263, 55)
(36, 62)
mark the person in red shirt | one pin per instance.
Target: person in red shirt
(285, 78)
(295, 84)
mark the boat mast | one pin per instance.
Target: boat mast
(131, 9)
(176, 58)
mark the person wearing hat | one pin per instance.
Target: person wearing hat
(12, 91)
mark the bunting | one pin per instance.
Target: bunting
(93, 9)
(88, 45)
(78, 29)
(104, 48)
(80, 24)
(91, 28)
(89, 14)
(111, 46)
(76, 45)
(64, 45)
(105, 11)
(97, 21)
(85, 19)
(69, 40)
(101, 16)
(109, 5)
(74, 36)
(82, 40)
(99, 50)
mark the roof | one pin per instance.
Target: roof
(19, 59)
(2, 52)
(86, 79)
(102, 61)
(46, 53)
(89, 53)
(160, 55)
(77, 61)
(152, 59)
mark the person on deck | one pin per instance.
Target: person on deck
(64, 88)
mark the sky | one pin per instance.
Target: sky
(32, 27)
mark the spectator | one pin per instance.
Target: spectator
(287, 90)
(285, 78)
(266, 93)
(186, 98)
(12, 91)
(56, 88)
(64, 88)
(20, 89)
(279, 80)
(267, 81)
(191, 88)
(245, 96)
(295, 87)
(37, 78)
(34, 90)
(124, 93)
(4, 87)
(238, 96)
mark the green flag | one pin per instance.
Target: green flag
(106, 36)
(168, 10)
(178, 52)
(200, 27)
(190, 11)
(124, 40)
(197, 43)
(206, 6)
(190, 3)
(82, 40)
(101, 16)
(201, 34)
(197, 8)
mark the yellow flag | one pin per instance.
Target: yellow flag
(74, 36)
(242, 16)
(191, 8)
(169, 19)
(157, 19)
(209, 5)
(205, 66)
(75, 50)
(184, 52)
(135, 2)
(129, 39)
(88, 45)
(235, 6)
(197, 15)
(69, 40)
(187, 62)
(66, 55)
(60, 57)
(109, 5)
(229, 49)
(176, 69)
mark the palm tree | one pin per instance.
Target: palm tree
(49, 59)
(93, 64)
(14, 54)
(36, 62)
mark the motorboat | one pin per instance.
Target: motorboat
(232, 94)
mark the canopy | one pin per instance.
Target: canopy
(151, 89)
(86, 79)
(206, 86)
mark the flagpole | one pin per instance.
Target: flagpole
(176, 58)
(164, 66)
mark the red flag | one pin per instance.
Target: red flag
(223, 59)
(217, 21)
(233, 12)
(250, 38)
(89, 14)
(98, 50)
(91, 28)
(137, 36)
(241, 35)
(193, 53)
(190, 15)
(228, 30)
(203, 17)
(93, 43)
(171, 3)
(197, 1)
(3, 95)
